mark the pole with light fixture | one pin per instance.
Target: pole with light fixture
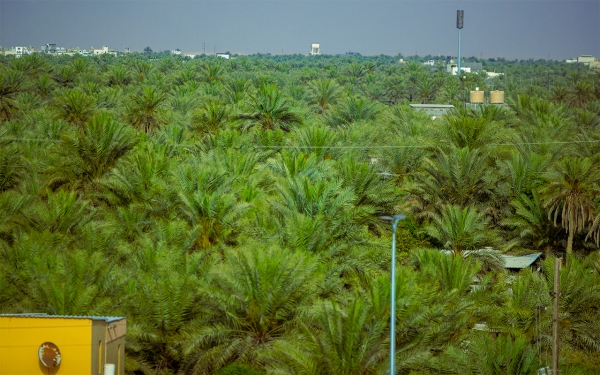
(394, 220)
(460, 15)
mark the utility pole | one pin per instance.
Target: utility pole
(204, 48)
(555, 316)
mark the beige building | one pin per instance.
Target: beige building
(585, 59)
(103, 51)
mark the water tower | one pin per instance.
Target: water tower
(315, 49)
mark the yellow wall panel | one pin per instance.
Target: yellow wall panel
(21, 337)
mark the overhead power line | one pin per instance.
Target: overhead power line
(424, 146)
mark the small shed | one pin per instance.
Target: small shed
(55, 344)
(513, 262)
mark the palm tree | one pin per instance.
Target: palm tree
(525, 171)
(140, 176)
(44, 86)
(318, 215)
(352, 109)
(237, 90)
(163, 310)
(11, 83)
(69, 283)
(426, 90)
(214, 215)
(343, 341)
(13, 167)
(314, 140)
(251, 301)
(142, 70)
(370, 189)
(488, 355)
(61, 212)
(531, 223)
(394, 89)
(146, 110)
(459, 229)
(581, 94)
(65, 76)
(74, 106)
(270, 110)
(324, 93)
(570, 195)
(473, 132)
(460, 176)
(212, 117)
(119, 76)
(211, 71)
(84, 158)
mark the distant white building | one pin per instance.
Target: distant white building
(585, 59)
(175, 52)
(315, 49)
(103, 51)
(493, 74)
(18, 51)
(466, 67)
(224, 55)
(453, 69)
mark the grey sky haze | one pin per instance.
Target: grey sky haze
(512, 29)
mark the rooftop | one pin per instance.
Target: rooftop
(449, 106)
(523, 261)
(107, 319)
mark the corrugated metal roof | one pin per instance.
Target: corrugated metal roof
(107, 319)
(524, 261)
(510, 261)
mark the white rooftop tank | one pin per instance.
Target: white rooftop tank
(315, 49)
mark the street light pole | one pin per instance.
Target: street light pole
(394, 220)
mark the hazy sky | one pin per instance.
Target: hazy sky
(511, 29)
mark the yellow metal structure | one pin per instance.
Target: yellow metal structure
(497, 97)
(86, 344)
(477, 96)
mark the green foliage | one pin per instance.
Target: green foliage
(459, 229)
(270, 110)
(229, 209)
(236, 369)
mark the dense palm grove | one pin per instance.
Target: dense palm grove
(229, 209)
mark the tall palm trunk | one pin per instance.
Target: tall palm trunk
(570, 238)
